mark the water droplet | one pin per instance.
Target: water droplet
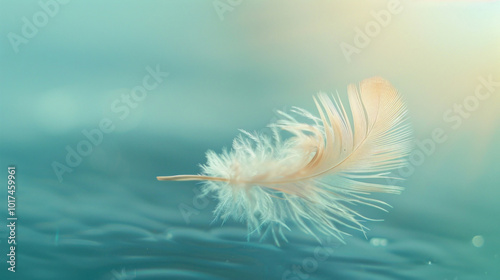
(169, 236)
(378, 242)
(478, 241)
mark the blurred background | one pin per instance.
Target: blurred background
(158, 83)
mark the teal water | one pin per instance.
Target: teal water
(107, 217)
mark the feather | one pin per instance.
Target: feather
(313, 177)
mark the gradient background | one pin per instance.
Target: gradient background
(111, 219)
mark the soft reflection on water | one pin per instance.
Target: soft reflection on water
(114, 225)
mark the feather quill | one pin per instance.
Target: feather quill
(312, 178)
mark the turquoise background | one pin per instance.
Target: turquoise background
(110, 219)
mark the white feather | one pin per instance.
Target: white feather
(313, 177)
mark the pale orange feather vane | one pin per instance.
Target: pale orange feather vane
(312, 177)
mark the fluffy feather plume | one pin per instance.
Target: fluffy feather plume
(313, 177)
